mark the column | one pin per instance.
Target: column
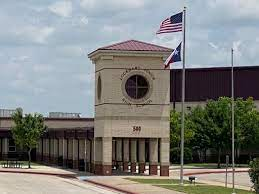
(55, 151)
(60, 152)
(43, 150)
(82, 154)
(75, 153)
(153, 156)
(126, 155)
(119, 153)
(47, 150)
(87, 155)
(39, 150)
(133, 155)
(142, 162)
(51, 154)
(164, 156)
(92, 148)
(70, 153)
(113, 152)
(64, 151)
(5, 148)
(103, 155)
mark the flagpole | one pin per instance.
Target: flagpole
(183, 99)
(233, 121)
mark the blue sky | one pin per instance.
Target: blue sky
(44, 43)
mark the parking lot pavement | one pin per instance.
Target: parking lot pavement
(39, 184)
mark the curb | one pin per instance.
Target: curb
(212, 172)
(40, 173)
(110, 187)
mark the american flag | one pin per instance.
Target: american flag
(172, 24)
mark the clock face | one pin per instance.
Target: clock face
(137, 86)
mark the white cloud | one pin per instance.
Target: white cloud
(62, 8)
(236, 8)
(236, 47)
(111, 5)
(35, 34)
(213, 45)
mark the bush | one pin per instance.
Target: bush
(175, 154)
(254, 174)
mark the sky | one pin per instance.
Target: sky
(44, 44)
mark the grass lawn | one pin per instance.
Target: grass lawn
(173, 184)
(211, 165)
(156, 181)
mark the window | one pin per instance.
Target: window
(137, 86)
(11, 146)
(99, 88)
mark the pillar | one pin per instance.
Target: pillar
(70, 153)
(87, 155)
(64, 151)
(153, 156)
(60, 152)
(5, 148)
(113, 152)
(164, 156)
(133, 155)
(51, 154)
(142, 162)
(92, 165)
(55, 151)
(103, 155)
(39, 150)
(119, 153)
(75, 153)
(126, 155)
(46, 157)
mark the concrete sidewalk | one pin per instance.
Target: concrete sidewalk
(132, 187)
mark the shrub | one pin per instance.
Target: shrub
(175, 154)
(254, 173)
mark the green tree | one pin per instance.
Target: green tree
(175, 129)
(201, 131)
(27, 131)
(218, 120)
(246, 123)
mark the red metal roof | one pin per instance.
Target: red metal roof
(135, 45)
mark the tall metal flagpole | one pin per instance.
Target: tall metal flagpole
(183, 99)
(233, 121)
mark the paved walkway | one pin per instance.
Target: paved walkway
(38, 184)
(207, 176)
(131, 186)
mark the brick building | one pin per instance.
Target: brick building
(133, 97)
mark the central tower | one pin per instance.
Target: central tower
(132, 107)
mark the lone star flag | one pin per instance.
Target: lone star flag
(174, 57)
(172, 24)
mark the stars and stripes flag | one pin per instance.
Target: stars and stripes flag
(172, 24)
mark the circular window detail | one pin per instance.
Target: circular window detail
(99, 88)
(137, 87)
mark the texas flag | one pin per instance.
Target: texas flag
(174, 57)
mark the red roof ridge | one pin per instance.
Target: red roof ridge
(133, 45)
(132, 40)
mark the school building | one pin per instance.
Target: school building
(133, 98)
